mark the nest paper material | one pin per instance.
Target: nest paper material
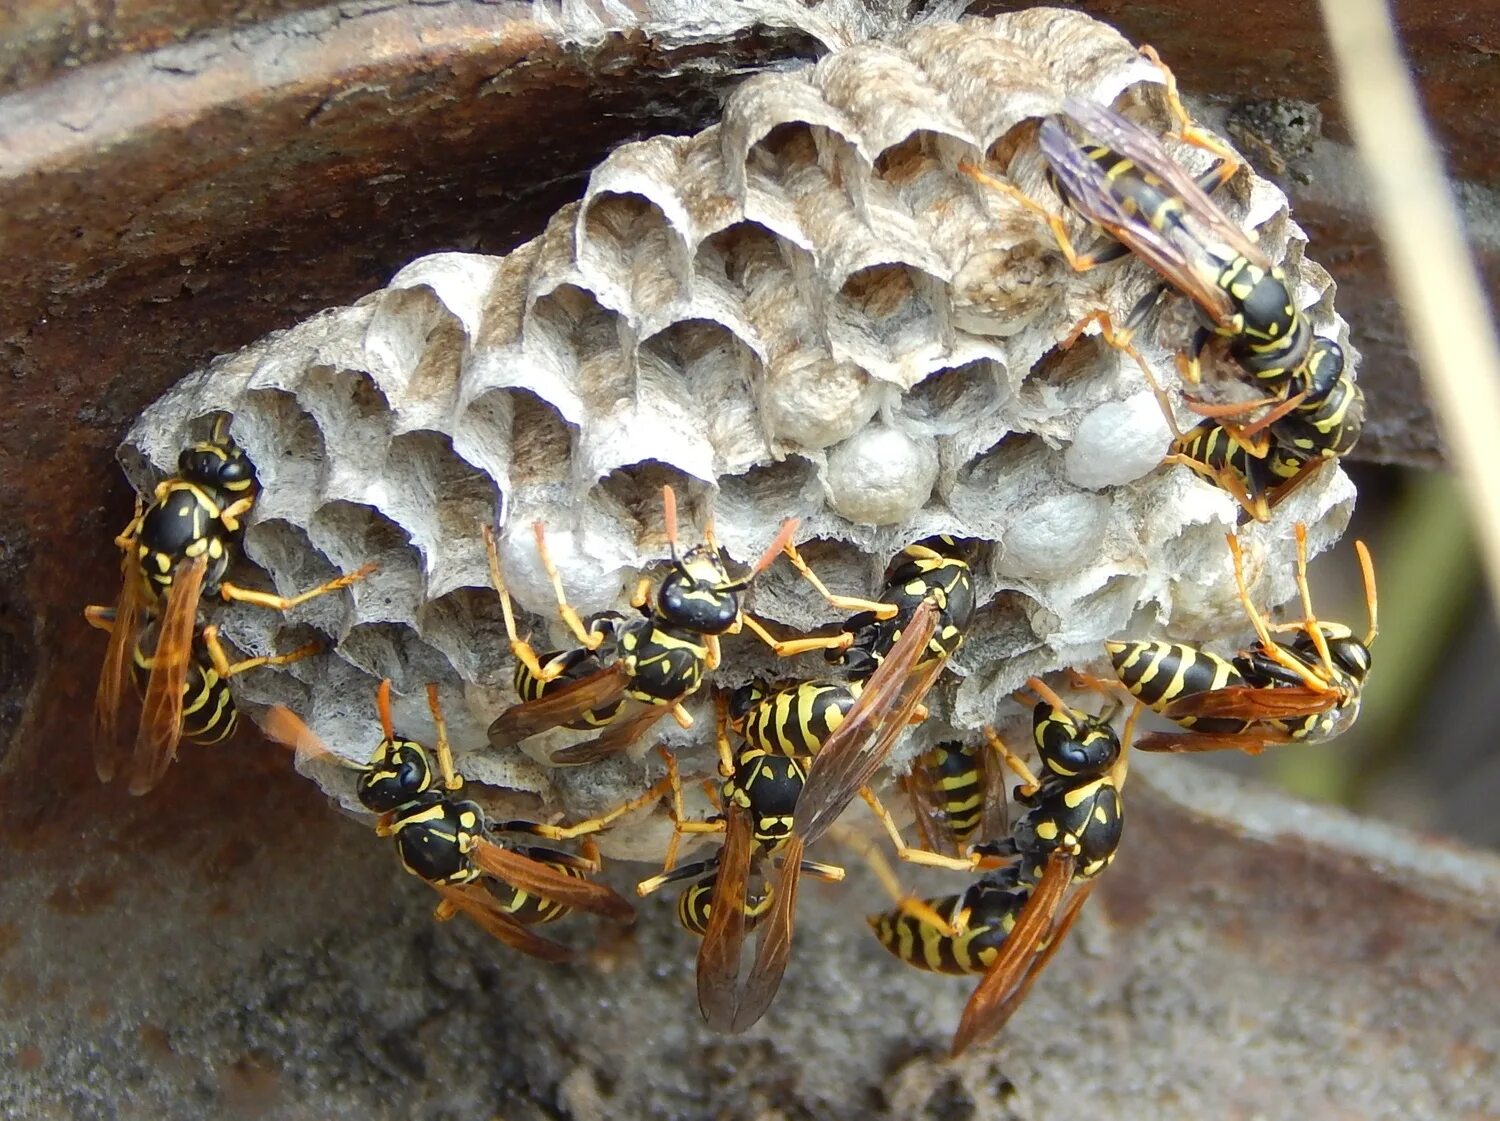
(804, 311)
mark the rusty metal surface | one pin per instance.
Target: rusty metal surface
(196, 956)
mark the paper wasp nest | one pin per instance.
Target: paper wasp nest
(807, 310)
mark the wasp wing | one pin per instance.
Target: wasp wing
(620, 735)
(1087, 190)
(1250, 742)
(850, 757)
(719, 955)
(491, 916)
(126, 619)
(559, 705)
(773, 943)
(1252, 702)
(161, 712)
(1015, 966)
(934, 829)
(551, 883)
(995, 1020)
(1146, 151)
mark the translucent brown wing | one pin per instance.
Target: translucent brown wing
(719, 955)
(773, 944)
(616, 738)
(551, 883)
(1251, 702)
(487, 911)
(161, 712)
(934, 830)
(559, 705)
(1146, 151)
(1087, 189)
(108, 748)
(1010, 973)
(1251, 742)
(997, 1017)
(850, 757)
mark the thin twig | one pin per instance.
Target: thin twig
(1430, 263)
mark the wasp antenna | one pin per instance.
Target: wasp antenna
(782, 540)
(1367, 570)
(383, 706)
(1044, 691)
(669, 517)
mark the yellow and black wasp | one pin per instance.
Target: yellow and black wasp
(1010, 922)
(175, 549)
(657, 660)
(843, 767)
(445, 841)
(1120, 178)
(764, 785)
(1321, 427)
(209, 715)
(1303, 691)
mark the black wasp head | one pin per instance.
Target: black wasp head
(1072, 744)
(698, 594)
(1323, 368)
(400, 772)
(1349, 654)
(219, 463)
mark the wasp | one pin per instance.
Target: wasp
(729, 894)
(1120, 178)
(1306, 690)
(175, 549)
(209, 715)
(935, 571)
(732, 893)
(1323, 425)
(657, 660)
(445, 841)
(841, 769)
(1010, 922)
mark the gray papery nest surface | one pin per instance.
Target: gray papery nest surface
(804, 311)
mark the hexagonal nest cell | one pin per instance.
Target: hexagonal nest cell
(808, 310)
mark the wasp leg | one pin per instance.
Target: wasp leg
(788, 648)
(1269, 646)
(219, 658)
(1078, 262)
(1189, 132)
(1120, 339)
(1227, 479)
(906, 852)
(126, 540)
(233, 592)
(904, 900)
(652, 795)
(1029, 783)
(520, 649)
(882, 611)
(586, 638)
(230, 516)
